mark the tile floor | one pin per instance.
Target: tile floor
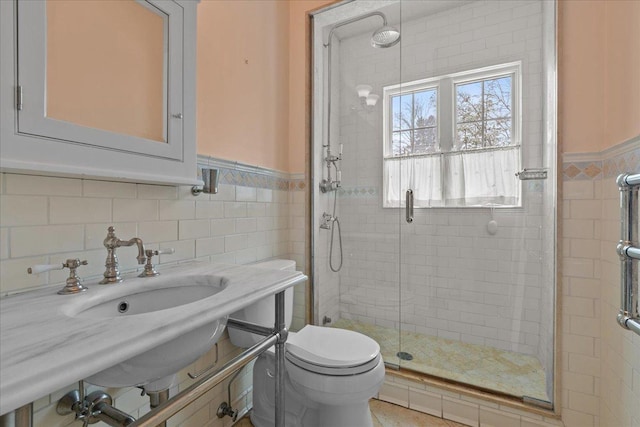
(482, 366)
(389, 415)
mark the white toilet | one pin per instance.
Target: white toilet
(330, 373)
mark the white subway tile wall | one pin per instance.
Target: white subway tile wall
(47, 220)
(600, 360)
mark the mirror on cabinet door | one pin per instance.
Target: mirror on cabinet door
(106, 66)
(101, 89)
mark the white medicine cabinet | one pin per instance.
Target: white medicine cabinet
(99, 89)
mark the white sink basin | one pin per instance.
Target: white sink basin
(149, 301)
(155, 368)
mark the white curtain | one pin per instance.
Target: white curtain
(422, 174)
(471, 178)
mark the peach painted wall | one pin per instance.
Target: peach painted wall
(622, 74)
(299, 89)
(243, 81)
(101, 78)
(599, 69)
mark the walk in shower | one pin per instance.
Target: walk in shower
(434, 186)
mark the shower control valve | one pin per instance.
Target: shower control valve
(325, 222)
(328, 186)
(332, 159)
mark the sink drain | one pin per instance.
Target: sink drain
(123, 306)
(403, 355)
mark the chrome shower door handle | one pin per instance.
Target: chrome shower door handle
(409, 206)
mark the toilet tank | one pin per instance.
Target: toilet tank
(263, 312)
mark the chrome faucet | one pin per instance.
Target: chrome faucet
(111, 242)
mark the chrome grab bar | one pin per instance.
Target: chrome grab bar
(409, 206)
(629, 317)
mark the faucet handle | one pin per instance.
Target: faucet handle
(149, 270)
(167, 251)
(42, 268)
(73, 285)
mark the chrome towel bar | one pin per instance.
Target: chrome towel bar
(628, 317)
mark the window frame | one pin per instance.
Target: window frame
(446, 118)
(387, 122)
(514, 70)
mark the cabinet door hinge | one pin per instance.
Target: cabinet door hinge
(19, 98)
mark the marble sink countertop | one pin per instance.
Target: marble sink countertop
(43, 348)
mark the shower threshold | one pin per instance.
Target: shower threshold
(505, 372)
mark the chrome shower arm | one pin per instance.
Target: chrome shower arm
(355, 19)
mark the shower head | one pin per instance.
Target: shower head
(385, 36)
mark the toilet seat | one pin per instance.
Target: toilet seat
(332, 351)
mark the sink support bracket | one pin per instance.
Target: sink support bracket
(281, 330)
(21, 417)
(276, 336)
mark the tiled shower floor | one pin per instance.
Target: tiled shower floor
(478, 365)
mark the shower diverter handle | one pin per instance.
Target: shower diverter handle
(409, 206)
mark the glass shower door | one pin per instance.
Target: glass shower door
(477, 276)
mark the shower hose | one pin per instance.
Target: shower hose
(336, 223)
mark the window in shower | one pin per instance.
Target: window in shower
(454, 140)
(414, 122)
(484, 113)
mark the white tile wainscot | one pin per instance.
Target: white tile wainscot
(41, 337)
(278, 211)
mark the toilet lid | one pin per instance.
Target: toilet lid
(332, 347)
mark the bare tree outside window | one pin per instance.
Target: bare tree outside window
(464, 155)
(484, 113)
(415, 124)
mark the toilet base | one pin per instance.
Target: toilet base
(345, 416)
(299, 411)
